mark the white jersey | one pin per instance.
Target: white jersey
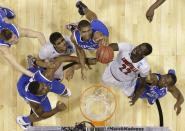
(123, 69)
(122, 72)
(48, 51)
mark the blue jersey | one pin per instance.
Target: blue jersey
(152, 93)
(96, 25)
(5, 12)
(23, 83)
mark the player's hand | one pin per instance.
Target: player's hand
(60, 106)
(177, 107)
(69, 73)
(150, 14)
(88, 66)
(132, 100)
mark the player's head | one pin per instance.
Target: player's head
(167, 80)
(85, 29)
(98, 37)
(37, 88)
(140, 51)
(58, 41)
(7, 35)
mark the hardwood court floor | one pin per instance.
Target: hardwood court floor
(126, 22)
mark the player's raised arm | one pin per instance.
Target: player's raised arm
(150, 11)
(139, 91)
(56, 61)
(178, 96)
(4, 51)
(32, 34)
(81, 55)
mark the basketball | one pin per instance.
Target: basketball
(104, 54)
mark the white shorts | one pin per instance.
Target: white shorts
(59, 74)
(127, 87)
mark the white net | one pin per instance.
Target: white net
(98, 103)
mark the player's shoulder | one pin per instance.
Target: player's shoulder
(143, 64)
(46, 50)
(125, 46)
(67, 39)
(47, 47)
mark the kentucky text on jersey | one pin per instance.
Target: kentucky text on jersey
(96, 25)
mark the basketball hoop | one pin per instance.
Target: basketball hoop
(98, 104)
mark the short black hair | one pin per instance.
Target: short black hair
(148, 47)
(54, 37)
(83, 23)
(6, 34)
(33, 87)
(174, 78)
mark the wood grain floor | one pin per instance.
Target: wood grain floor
(126, 22)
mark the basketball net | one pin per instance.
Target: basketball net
(98, 104)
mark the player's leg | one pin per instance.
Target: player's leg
(25, 121)
(50, 72)
(83, 10)
(59, 74)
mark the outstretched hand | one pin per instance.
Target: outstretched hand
(132, 100)
(177, 107)
(150, 14)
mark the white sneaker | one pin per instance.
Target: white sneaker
(22, 123)
(30, 61)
